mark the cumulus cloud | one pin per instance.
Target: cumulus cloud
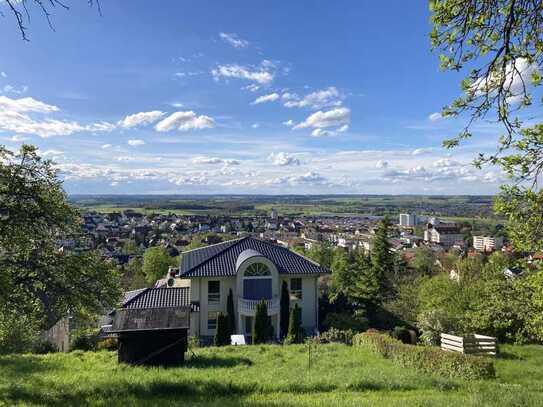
(14, 90)
(213, 160)
(315, 100)
(106, 146)
(139, 119)
(381, 164)
(135, 143)
(338, 117)
(309, 178)
(27, 104)
(266, 98)
(185, 121)
(283, 159)
(234, 40)
(15, 116)
(261, 75)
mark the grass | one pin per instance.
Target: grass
(263, 376)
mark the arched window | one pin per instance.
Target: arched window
(257, 270)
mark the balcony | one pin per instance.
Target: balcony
(248, 307)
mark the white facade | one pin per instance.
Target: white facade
(487, 243)
(408, 220)
(303, 291)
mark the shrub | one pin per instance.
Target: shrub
(262, 328)
(346, 321)
(222, 334)
(42, 347)
(193, 342)
(334, 335)
(404, 335)
(86, 340)
(110, 344)
(428, 359)
(432, 323)
(295, 331)
(17, 332)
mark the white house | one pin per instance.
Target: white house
(445, 234)
(487, 243)
(254, 270)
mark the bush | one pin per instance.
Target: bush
(42, 347)
(262, 327)
(222, 334)
(295, 331)
(86, 340)
(17, 332)
(404, 335)
(432, 323)
(428, 359)
(110, 344)
(346, 321)
(334, 335)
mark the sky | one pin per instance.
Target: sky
(244, 97)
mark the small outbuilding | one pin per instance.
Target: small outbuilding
(152, 326)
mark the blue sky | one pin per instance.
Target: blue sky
(238, 97)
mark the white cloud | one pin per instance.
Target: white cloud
(213, 160)
(252, 87)
(283, 159)
(420, 151)
(261, 75)
(135, 143)
(14, 90)
(289, 123)
(331, 118)
(105, 146)
(255, 125)
(184, 121)
(309, 178)
(18, 138)
(141, 118)
(435, 116)
(323, 133)
(27, 104)
(381, 164)
(316, 100)
(266, 98)
(234, 40)
(3, 74)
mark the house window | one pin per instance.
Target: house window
(213, 292)
(212, 320)
(257, 270)
(296, 288)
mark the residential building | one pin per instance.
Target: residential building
(444, 234)
(408, 220)
(487, 243)
(254, 270)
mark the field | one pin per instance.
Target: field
(294, 205)
(269, 375)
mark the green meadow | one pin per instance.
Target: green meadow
(270, 375)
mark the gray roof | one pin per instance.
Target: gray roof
(221, 260)
(159, 298)
(245, 255)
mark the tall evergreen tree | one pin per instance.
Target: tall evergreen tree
(262, 326)
(284, 309)
(295, 333)
(366, 290)
(222, 334)
(230, 313)
(382, 258)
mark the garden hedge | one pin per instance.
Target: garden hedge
(427, 359)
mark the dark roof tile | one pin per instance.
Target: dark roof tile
(220, 260)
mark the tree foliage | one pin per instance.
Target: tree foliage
(36, 278)
(156, 262)
(284, 309)
(222, 333)
(262, 328)
(295, 331)
(230, 313)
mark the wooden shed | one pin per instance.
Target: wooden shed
(152, 327)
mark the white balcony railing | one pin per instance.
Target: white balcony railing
(248, 307)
